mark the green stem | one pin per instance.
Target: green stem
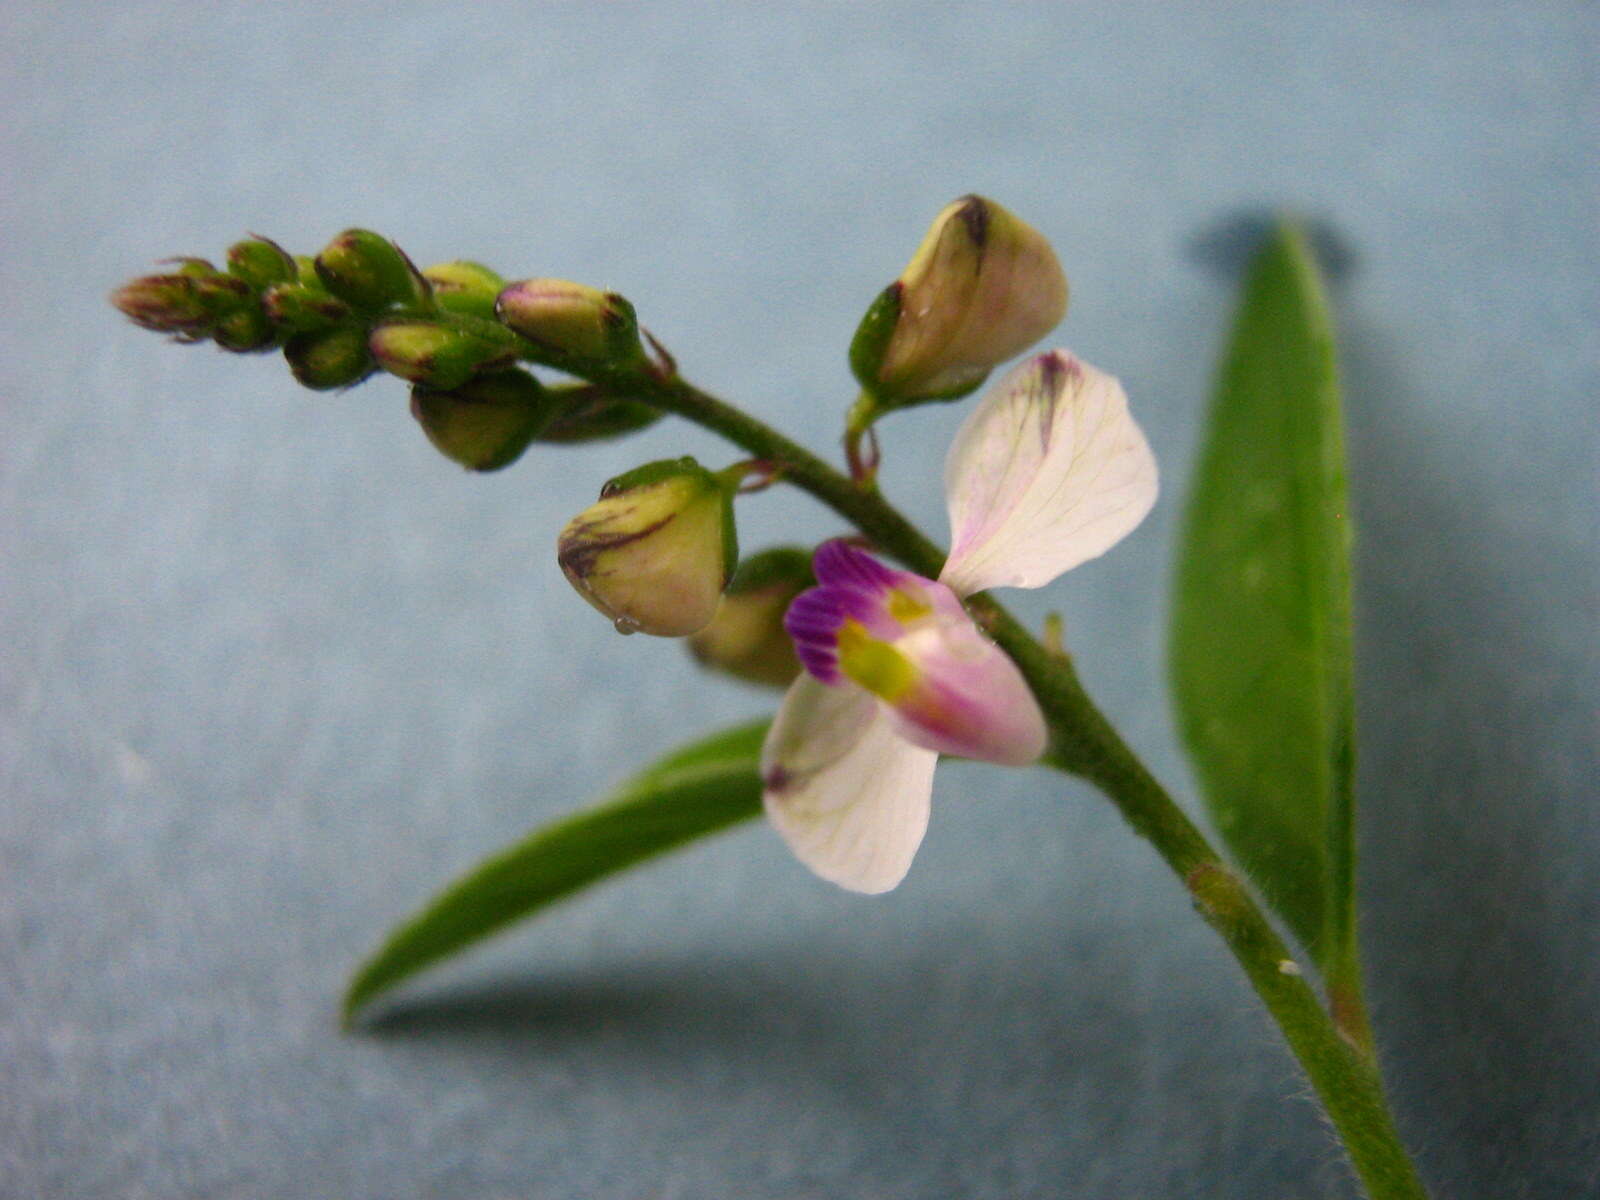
(1084, 743)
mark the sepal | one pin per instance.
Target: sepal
(487, 422)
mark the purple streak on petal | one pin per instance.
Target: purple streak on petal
(839, 563)
(814, 620)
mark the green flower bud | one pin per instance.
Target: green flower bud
(370, 273)
(586, 413)
(223, 294)
(982, 288)
(303, 307)
(329, 358)
(746, 639)
(188, 264)
(465, 287)
(438, 354)
(571, 319)
(487, 422)
(165, 303)
(245, 329)
(261, 262)
(193, 301)
(656, 551)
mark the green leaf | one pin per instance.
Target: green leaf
(1260, 653)
(698, 790)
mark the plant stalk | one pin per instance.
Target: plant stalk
(1340, 1066)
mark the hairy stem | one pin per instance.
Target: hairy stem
(1083, 742)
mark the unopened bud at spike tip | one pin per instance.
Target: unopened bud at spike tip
(329, 358)
(746, 639)
(465, 287)
(657, 549)
(164, 303)
(982, 287)
(487, 422)
(438, 354)
(571, 319)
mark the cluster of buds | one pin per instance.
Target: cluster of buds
(195, 301)
(361, 306)
(657, 553)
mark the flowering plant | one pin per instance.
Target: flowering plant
(885, 667)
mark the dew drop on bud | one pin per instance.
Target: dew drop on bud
(625, 626)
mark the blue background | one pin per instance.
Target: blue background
(271, 670)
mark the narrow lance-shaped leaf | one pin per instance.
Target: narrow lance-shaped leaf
(701, 789)
(1260, 653)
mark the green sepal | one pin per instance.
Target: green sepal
(585, 413)
(488, 422)
(328, 359)
(189, 264)
(465, 287)
(776, 564)
(370, 273)
(245, 330)
(872, 336)
(261, 262)
(867, 349)
(440, 353)
(302, 308)
(223, 294)
(654, 472)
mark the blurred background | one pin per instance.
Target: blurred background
(272, 671)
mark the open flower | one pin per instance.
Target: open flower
(1048, 471)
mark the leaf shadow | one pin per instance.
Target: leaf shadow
(958, 1053)
(1479, 928)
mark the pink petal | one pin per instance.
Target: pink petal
(1049, 471)
(969, 700)
(848, 794)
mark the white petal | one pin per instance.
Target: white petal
(848, 794)
(1048, 472)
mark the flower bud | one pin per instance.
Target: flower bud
(586, 413)
(165, 303)
(438, 354)
(189, 264)
(245, 329)
(301, 306)
(487, 422)
(574, 320)
(261, 262)
(982, 288)
(329, 358)
(369, 272)
(656, 551)
(746, 638)
(465, 287)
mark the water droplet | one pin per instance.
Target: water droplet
(625, 626)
